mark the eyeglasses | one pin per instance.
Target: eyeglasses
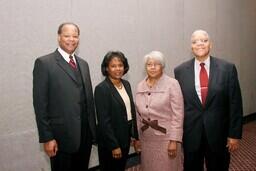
(199, 41)
(150, 65)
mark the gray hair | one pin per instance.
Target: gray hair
(155, 55)
(200, 31)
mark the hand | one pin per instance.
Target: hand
(117, 153)
(172, 149)
(232, 144)
(51, 148)
(137, 146)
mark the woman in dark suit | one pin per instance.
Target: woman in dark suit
(115, 112)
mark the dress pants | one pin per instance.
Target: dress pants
(205, 157)
(77, 161)
(71, 162)
(108, 163)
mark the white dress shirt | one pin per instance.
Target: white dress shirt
(126, 100)
(65, 55)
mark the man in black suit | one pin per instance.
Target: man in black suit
(63, 103)
(213, 107)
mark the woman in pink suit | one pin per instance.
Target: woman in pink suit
(160, 115)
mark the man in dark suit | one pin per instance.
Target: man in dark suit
(213, 107)
(63, 103)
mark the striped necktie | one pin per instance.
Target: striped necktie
(72, 62)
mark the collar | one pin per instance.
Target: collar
(65, 55)
(206, 62)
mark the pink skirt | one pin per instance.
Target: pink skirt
(154, 154)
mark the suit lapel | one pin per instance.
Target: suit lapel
(212, 80)
(127, 88)
(83, 70)
(65, 66)
(115, 92)
(191, 81)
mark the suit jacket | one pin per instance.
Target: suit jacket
(222, 115)
(164, 103)
(56, 99)
(113, 128)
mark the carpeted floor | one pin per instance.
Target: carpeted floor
(245, 158)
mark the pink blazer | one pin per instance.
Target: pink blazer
(164, 103)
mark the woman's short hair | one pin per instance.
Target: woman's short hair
(109, 56)
(155, 55)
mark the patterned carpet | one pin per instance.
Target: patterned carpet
(245, 158)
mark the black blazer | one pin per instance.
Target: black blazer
(113, 129)
(222, 115)
(56, 99)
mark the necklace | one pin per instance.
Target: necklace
(119, 86)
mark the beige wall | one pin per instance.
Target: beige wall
(28, 30)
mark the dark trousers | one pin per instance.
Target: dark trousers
(71, 162)
(204, 156)
(77, 161)
(108, 163)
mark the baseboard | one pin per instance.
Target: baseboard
(249, 118)
(96, 168)
(133, 160)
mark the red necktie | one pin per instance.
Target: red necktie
(72, 62)
(203, 83)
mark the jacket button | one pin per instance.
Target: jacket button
(149, 94)
(146, 106)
